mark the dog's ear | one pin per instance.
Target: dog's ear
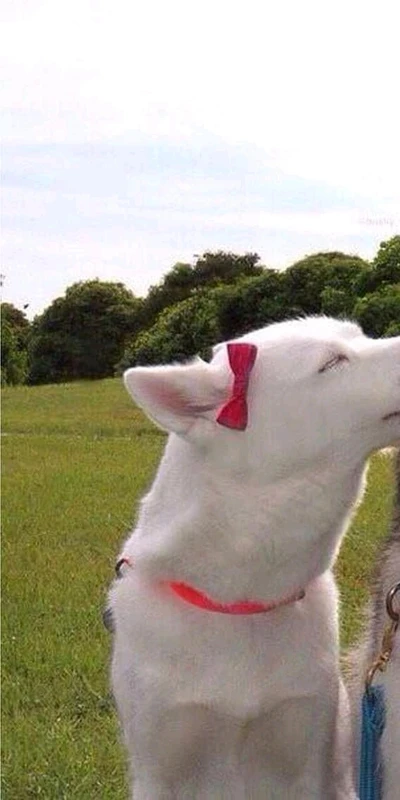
(174, 396)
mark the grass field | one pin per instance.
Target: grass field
(76, 458)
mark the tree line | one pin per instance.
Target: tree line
(99, 328)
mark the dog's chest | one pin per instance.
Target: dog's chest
(240, 665)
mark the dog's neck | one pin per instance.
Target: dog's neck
(234, 539)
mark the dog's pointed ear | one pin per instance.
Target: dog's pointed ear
(174, 396)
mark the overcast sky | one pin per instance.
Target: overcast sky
(137, 134)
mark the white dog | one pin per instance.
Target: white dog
(225, 666)
(387, 577)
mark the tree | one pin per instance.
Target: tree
(180, 332)
(15, 317)
(174, 287)
(220, 267)
(307, 280)
(13, 360)
(209, 270)
(379, 312)
(337, 302)
(209, 315)
(252, 303)
(387, 260)
(385, 269)
(82, 335)
(14, 339)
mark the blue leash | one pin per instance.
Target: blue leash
(373, 711)
(373, 723)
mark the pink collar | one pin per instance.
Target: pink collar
(196, 598)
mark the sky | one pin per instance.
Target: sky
(139, 134)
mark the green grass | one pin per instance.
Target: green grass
(357, 555)
(76, 458)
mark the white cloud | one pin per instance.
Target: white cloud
(308, 90)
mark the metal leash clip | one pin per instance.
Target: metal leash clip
(383, 658)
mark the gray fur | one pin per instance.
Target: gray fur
(386, 573)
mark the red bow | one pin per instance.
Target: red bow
(234, 413)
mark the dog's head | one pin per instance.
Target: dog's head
(304, 391)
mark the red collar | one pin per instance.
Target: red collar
(196, 598)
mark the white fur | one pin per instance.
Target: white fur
(221, 707)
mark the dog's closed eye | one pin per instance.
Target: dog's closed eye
(333, 361)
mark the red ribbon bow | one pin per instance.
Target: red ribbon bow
(234, 414)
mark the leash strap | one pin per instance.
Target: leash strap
(373, 723)
(373, 709)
